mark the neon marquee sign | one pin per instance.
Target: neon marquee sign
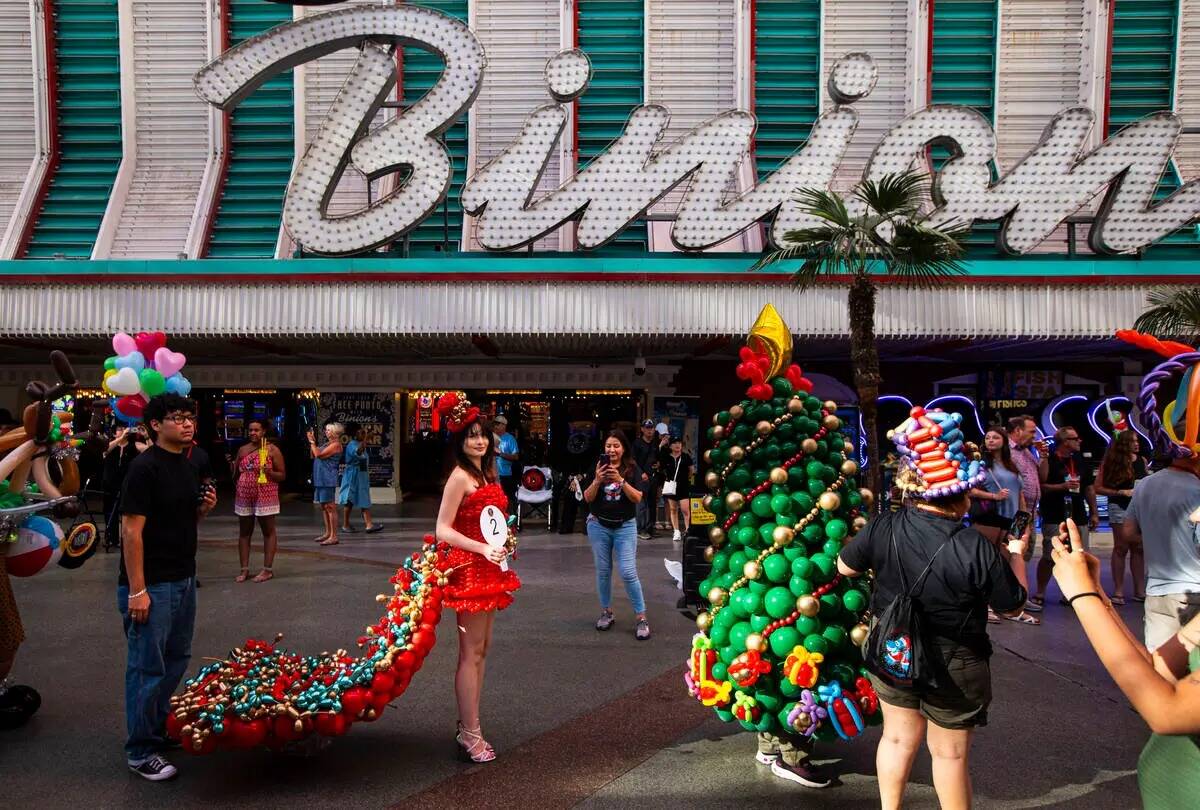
(1051, 183)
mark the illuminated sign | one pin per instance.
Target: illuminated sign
(1055, 179)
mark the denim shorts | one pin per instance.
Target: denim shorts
(1116, 514)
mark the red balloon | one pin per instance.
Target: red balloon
(378, 713)
(354, 700)
(285, 729)
(174, 727)
(150, 342)
(132, 406)
(383, 682)
(401, 684)
(206, 746)
(331, 725)
(379, 700)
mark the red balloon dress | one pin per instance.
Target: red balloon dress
(477, 584)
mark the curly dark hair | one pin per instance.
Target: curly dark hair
(158, 407)
(1117, 466)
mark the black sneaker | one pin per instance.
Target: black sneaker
(605, 622)
(17, 704)
(154, 769)
(801, 774)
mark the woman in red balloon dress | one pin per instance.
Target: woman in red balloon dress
(479, 580)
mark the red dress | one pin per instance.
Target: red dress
(476, 583)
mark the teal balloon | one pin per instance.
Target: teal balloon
(781, 505)
(759, 622)
(854, 600)
(824, 566)
(737, 636)
(719, 634)
(779, 602)
(720, 671)
(836, 529)
(816, 644)
(179, 385)
(775, 567)
(152, 382)
(783, 641)
(802, 566)
(133, 360)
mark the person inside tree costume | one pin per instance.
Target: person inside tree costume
(778, 647)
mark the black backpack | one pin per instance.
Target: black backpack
(896, 646)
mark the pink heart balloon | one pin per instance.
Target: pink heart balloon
(168, 363)
(150, 342)
(123, 344)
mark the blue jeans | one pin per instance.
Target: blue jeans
(157, 658)
(621, 542)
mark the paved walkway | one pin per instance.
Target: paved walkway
(577, 717)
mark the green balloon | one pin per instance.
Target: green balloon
(746, 724)
(815, 469)
(799, 586)
(737, 603)
(836, 529)
(752, 601)
(720, 565)
(742, 432)
(802, 502)
(793, 551)
(842, 674)
(824, 566)
(779, 602)
(720, 671)
(815, 487)
(738, 480)
(789, 689)
(807, 625)
(832, 548)
(780, 489)
(854, 600)
(835, 635)
(761, 505)
(725, 618)
(783, 641)
(854, 498)
(796, 480)
(110, 363)
(782, 387)
(758, 586)
(812, 404)
(152, 382)
(719, 634)
(767, 725)
(773, 452)
(816, 644)
(723, 417)
(831, 607)
(737, 637)
(747, 518)
(781, 505)
(814, 533)
(776, 568)
(759, 622)
(724, 714)
(728, 578)
(760, 476)
(769, 701)
(766, 532)
(802, 567)
(744, 535)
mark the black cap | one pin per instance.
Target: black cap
(648, 423)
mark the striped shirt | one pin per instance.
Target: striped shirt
(1027, 465)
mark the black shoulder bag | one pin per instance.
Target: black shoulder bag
(896, 646)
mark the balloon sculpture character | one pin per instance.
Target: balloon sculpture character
(142, 367)
(1177, 430)
(262, 695)
(44, 449)
(936, 460)
(778, 648)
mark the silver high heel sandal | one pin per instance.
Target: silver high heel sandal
(472, 747)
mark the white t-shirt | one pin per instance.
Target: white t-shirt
(1165, 507)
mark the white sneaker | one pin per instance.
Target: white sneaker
(765, 759)
(676, 536)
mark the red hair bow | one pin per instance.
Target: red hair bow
(457, 411)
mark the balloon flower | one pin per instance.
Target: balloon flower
(143, 367)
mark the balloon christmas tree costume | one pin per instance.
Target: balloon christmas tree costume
(778, 650)
(263, 695)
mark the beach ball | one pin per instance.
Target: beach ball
(39, 545)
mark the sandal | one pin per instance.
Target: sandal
(1141, 598)
(992, 617)
(1025, 618)
(472, 747)
(331, 541)
(375, 528)
(348, 530)
(1117, 600)
(264, 575)
(1038, 600)
(321, 539)
(242, 577)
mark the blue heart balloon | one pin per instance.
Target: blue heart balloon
(133, 360)
(179, 384)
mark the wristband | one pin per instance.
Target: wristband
(142, 592)
(1071, 601)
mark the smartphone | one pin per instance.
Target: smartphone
(603, 462)
(1020, 524)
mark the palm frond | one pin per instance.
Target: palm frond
(824, 204)
(924, 255)
(894, 195)
(1172, 312)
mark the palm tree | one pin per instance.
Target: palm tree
(1172, 312)
(880, 233)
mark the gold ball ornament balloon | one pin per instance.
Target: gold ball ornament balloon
(708, 456)
(848, 447)
(709, 553)
(809, 446)
(735, 501)
(778, 475)
(795, 405)
(737, 453)
(752, 569)
(764, 428)
(829, 405)
(737, 412)
(783, 535)
(858, 634)
(756, 643)
(712, 480)
(716, 536)
(829, 501)
(868, 497)
(771, 336)
(717, 596)
(704, 621)
(831, 422)
(719, 432)
(808, 605)
(707, 500)
(849, 467)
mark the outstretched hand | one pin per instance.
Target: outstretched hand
(1075, 570)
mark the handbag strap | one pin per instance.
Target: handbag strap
(911, 592)
(678, 464)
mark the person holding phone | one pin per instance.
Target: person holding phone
(1068, 491)
(325, 478)
(128, 444)
(612, 529)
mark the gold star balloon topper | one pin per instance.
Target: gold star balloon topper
(771, 336)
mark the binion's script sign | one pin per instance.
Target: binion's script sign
(1052, 182)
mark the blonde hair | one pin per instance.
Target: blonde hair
(337, 427)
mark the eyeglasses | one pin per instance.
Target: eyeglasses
(1070, 438)
(181, 418)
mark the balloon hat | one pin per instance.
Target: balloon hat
(935, 460)
(1177, 430)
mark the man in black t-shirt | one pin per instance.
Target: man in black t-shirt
(1068, 482)
(645, 456)
(162, 500)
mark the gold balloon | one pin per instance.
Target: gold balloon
(709, 553)
(779, 475)
(783, 535)
(803, 721)
(704, 621)
(737, 412)
(795, 405)
(707, 500)
(809, 446)
(737, 453)
(829, 405)
(735, 501)
(752, 570)
(719, 432)
(868, 497)
(770, 336)
(859, 522)
(808, 605)
(831, 422)
(849, 467)
(716, 536)
(716, 418)
(708, 456)
(829, 501)
(712, 480)
(764, 428)
(717, 596)
(756, 643)
(858, 634)
(848, 447)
